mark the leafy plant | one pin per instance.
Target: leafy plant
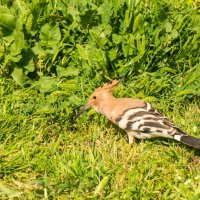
(53, 54)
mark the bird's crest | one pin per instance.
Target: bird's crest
(110, 85)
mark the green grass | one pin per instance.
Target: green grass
(53, 54)
(42, 158)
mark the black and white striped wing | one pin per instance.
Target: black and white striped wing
(147, 120)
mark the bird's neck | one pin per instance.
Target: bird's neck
(106, 105)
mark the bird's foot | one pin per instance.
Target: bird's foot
(131, 138)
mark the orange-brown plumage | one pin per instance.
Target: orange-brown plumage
(135, 116)
(105, 103)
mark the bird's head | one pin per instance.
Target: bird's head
(99, 96)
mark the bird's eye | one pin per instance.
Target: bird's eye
(94, 97)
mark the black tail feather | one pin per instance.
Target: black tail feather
(191, 141)
(188, 140)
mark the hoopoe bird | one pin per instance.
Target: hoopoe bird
(138, 118)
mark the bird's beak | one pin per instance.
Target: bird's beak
(83, 109)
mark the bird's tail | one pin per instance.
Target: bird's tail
(187, 139)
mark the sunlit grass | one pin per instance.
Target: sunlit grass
(53, 54)
(92, 159)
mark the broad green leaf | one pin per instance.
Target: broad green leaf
(127, 19)
(74, 12)
(156, 37)
(65, 72)
(140, 40)
(174, 33)
(94, 36)
(105, 10)
(96, 54)
(7, 21)
(113, 54)
(168, 27)
(137, 23)
(50, 36)
(18, 75)
(116, 5)
(47, 84)
(29, 23)
(14, 58)
(18, 43)
(116, 38)
(30, 66)
(83, 52)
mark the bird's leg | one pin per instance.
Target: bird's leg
(131, 138)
